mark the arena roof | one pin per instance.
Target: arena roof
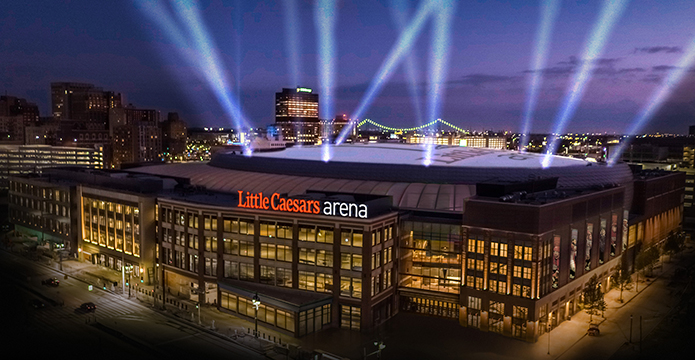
(413, 154)
(388, 169)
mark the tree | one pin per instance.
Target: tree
(646, 259)
(593, 298)
(622, 280)
(674, 244)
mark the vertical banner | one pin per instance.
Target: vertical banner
(556, 261)
(573, 254)
(626, 214)
(602, 241)
(614, 233)
(589, 242)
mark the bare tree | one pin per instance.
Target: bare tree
(622, 280)
(593, 298)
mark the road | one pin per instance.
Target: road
(117, 328)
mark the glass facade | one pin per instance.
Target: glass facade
(114, 225)
(431, 256)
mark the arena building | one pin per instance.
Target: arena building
(485, 237)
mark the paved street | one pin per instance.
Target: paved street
(136, 327)
(118, 327)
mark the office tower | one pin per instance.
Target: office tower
(135, 134)
(82, 102)
(174, 135)
(297, 115)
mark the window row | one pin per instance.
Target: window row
(276, 317)
(318, 282)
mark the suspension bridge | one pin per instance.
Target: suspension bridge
(431, 123)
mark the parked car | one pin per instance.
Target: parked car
(88, 307)
(37, 304)
(50, 282)
(593, 330)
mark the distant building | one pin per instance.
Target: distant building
(14, 106)
(330, 129)
(692, 130)
(83, 102)
(26, 159)
(174, 135)
(136, 136)
(456, 140)
(11, 130)
(297, 115)
(15, 114)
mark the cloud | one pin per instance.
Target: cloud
(602, 66)
(606, 61)
(555, 71)
(482, 79)
(652, 78)
(658, 49)
(572, 61)
(663, 67)
(631, 70)
(611, 71)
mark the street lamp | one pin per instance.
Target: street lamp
(379, 346)
(256, 301)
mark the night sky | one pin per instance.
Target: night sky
(114, 45)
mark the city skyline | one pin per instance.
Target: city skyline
(489, 61)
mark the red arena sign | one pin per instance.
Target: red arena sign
(277, 203)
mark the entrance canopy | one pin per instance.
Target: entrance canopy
(278, 297)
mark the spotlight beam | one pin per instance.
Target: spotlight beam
(438, 66)
(237, 47)
(403, 45)
(398, 13)
(204, 61)
(549, 11)
(611, 11)
(292, 31)
(190, 16)
(660, 95)
(325, 17)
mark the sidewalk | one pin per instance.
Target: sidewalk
(273, 344)
(652, 301)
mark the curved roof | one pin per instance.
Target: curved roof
(391, 169)
(442, 197)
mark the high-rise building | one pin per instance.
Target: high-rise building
(297, 115)
(330, 129)
(14, 106)
(83, 102)
(135, 134)
(16, 114)
(174, 135)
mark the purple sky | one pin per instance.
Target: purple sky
(114, 46)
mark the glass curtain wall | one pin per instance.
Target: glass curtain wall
(431, 256)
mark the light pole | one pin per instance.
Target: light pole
(549, 328)
(130, 277)
(122, 276)
(256, 301)
(379, 346)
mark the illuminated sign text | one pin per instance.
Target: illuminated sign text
(277, 203)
